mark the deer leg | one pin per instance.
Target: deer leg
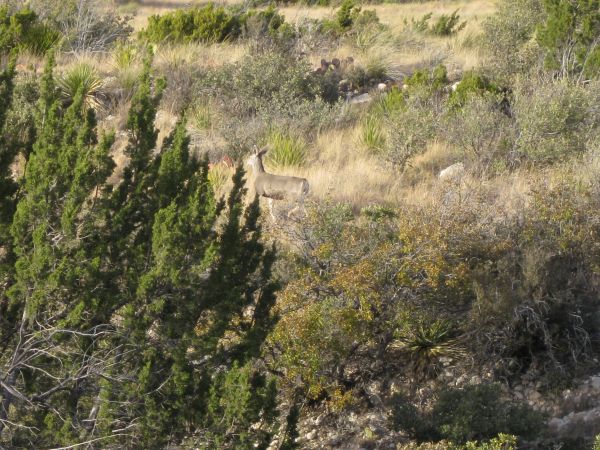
(293, 210)
(271, 210)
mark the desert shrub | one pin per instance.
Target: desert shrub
(346, 14)
(90, 27)
(360, 76)
(268, 23)
(420, 25)
(570, 37)
(286, 149)
(427, 82)
(260, 80)
(446, 25)
(535, 300)
(19, 129)
(481, 130)
(82, 79)
(554, 120)
(472, 83)
(349, 17)
(86, 25)
(408, 132)
(378, 213)
(509, 38)
(466, 418)
(207, 24)
(478, 412)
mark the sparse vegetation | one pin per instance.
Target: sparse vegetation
(148, 300)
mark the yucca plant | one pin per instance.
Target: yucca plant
(426, 342)
(372, 133)
(286, 149)
(201, 115)
(218, 174)
(125, 55)
(82, 77)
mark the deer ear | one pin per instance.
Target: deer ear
(263, 151)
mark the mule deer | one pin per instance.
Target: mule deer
(276, 187)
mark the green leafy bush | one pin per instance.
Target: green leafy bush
(482, 131)
(446, 25)
(407, 418)
(472, 83)
(350, 18)
(555, 120)
(509, 38)
(428, 81)
(207, 24)
(408, 132)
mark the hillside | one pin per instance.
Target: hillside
(300, 224)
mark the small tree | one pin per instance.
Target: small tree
(571, 37)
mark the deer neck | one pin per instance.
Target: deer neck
(258, 167)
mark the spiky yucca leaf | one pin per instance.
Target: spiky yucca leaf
(286, 149)
(85, 77)
(428, 341)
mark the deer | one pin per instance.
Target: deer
(276, 187)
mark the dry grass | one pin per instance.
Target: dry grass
(403, 50)
(339, 167)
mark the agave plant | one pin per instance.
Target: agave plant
(83, 77)
(426, 342)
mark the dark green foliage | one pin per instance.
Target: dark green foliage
(212, 24)
(347, 13)
(446, 25)
(477, 412)
(237, 401)
(429, 80)
(23, 30)
(471, 84)
(349, 18)
(148, 312)
(207, 24)
(291, 430)
(570, 37)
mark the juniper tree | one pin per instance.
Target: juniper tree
(571, 37)
(132, 310)
(48, 355)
